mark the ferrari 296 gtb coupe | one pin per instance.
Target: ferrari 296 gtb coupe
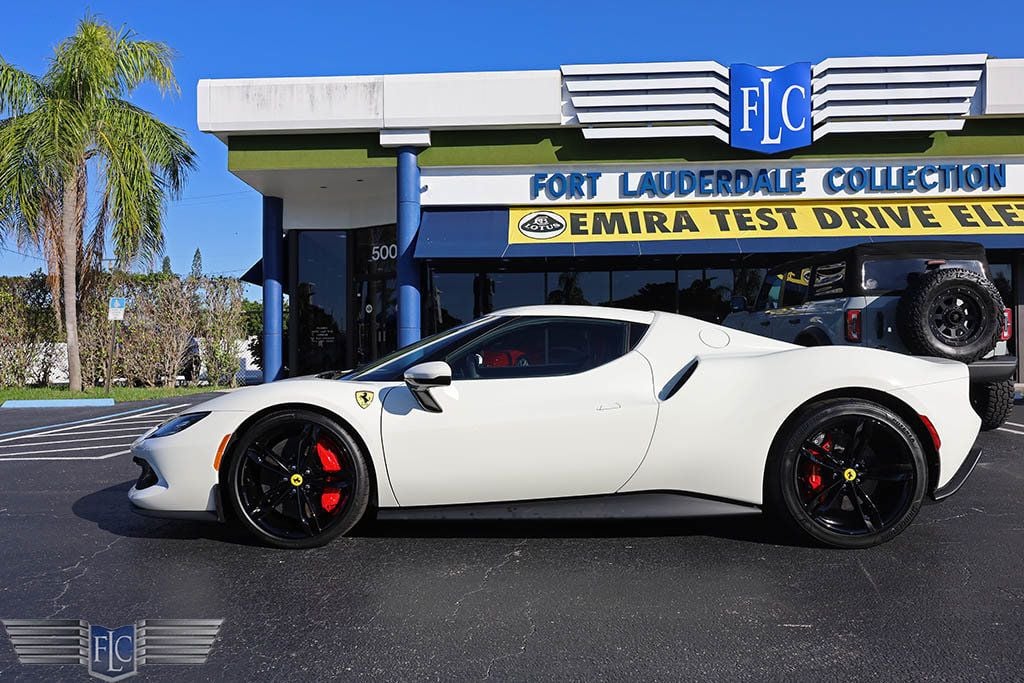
(559, 408)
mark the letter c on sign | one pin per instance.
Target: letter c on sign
(785, 107)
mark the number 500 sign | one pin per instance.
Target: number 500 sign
(383, 252)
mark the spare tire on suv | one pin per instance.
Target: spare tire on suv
(950, 313)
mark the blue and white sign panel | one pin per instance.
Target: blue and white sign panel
(115, 311)
(770, 110)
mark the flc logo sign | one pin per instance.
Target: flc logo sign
(770, 110)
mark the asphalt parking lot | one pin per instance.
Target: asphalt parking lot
(685, 600)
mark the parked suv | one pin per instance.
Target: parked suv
(914, 297)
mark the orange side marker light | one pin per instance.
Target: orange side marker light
(220, 451)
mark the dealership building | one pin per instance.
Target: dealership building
(397, 206)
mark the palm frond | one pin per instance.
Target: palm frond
(84, 65)
(28, 184)
(144, 161)
(19, 90)
(141, 61)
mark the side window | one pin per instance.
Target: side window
(543, 348)
(829, 281)
(771, 292)
(795, 291)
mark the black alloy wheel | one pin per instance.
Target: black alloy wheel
(850, 474)
(951, 313)
(957, 316)
(298, 480)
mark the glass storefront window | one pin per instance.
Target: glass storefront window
(705, 294)
(320, 301)
(644, 290)
(579, 288)
(746, 282)
(452, 301)
(1002, 278)
(510, 289)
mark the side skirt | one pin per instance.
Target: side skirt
(638, 505)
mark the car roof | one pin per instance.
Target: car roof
(599, 312)
(893, 248)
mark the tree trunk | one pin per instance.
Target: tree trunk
(69, 275)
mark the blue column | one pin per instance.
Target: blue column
(273, 276)
(408, 226)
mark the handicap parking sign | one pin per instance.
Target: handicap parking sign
(115, 311)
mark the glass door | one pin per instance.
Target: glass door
(376, 319)
(374, 308)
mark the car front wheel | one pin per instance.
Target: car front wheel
(848, 473)
(297, 479)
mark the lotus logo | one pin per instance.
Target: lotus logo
(542, 225)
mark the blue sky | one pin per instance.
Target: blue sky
(222, 39)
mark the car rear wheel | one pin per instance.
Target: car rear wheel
(848, 473)
(993, 402)
(298, 479)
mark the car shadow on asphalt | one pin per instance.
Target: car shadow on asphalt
(754, 528)
(110, 511)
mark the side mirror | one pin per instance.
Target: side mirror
(423, 377)
(738, 303)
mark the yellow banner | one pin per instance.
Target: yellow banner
(652, 222)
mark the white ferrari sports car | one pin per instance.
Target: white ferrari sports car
(548, 409)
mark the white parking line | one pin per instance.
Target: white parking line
(86, 425)
(81, 457)
(48, 443)
(1012, 431)
(117, 431)
(1015, 424)
(108, 431)
(65, 450)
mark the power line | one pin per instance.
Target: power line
(21, 253)
(211, 196)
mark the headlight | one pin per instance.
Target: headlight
(175, 425)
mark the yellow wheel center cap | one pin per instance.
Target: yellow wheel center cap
(849, 474)
(296, 480)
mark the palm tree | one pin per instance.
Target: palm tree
(72, 133)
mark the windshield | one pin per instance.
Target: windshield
(392, 366)
(892, 276)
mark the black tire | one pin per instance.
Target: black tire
(846, 486)
(950, 313)
(993, 402)
(280, 466)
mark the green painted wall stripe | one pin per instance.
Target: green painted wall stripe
(567, 146)
(283, 152)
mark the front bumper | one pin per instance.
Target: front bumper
(178, 478)
(995, 369)
(958, 479)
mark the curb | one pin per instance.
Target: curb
(59, 403)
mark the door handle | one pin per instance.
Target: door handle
(794, 321)
(765, 323)
(614, 405)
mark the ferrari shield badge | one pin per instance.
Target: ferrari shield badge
(364, 398)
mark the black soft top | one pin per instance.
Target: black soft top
(870, 251)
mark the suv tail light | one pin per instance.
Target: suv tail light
(1007, 330)
(853, 326)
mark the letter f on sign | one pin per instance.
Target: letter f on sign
(749, 107)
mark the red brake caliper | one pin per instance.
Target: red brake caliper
(329, 498)
(814, 479)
